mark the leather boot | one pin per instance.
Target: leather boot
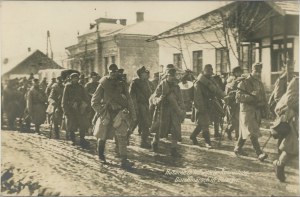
(101, 148)
(194, 139)
(279, 171)
(154, 146)
(126, 164)
(175, 153)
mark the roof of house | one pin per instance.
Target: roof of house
(104, 29)
(145, 28)
(198, 24)
(8, 64)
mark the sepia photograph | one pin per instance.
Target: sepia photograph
(149, 98)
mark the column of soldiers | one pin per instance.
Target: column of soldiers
(114, 108)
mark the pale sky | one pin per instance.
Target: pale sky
(25, 23)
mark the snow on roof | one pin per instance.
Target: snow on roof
(146, 28)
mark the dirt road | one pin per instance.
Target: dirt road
(36, 165)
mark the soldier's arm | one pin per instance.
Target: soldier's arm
(293, 94)
(132, 92)
(29, 101)
(198, 97)
(214, 87)
(158, 95)
(242, 96)
(65, 99)
(97, 97)
(279, 90)
(53, 95)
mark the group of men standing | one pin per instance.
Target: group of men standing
(114, 108)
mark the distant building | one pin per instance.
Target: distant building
(113, 41)
(273, 38)
(23, 66)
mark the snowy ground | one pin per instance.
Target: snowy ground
(36, 165)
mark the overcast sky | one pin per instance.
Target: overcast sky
(25, 24)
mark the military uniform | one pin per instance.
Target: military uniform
(140, 92)
(54, 99)
(205, 94)
(74, 105)
(36, 106)
(171, 112)
(253, 107)
(114, 109)
(287, 109)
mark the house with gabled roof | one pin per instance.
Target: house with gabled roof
(24, 65)
(125, 45)
(239, 33)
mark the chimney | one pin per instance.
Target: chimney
(139, 17)
(29, 49)
(123, 21)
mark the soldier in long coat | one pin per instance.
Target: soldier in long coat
(140, 92)
(11, 103)
(74, 104)
(55, 99)
(91, 88)
(287, 109)
(232, 107)
(205, 93)
(253, 107)
(171, 111)
(36, 105)
(115, 111)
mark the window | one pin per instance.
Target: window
(278, 54)
(247, 55)
(177, 60)
(106, 65)
(197, 61)
(113, 59)
(221, 60)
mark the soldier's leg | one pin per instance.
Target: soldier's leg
(217, 126)
(56, 130)
(280, 164)
(206, 136)
(195, 133)
(70, 127)
(144, 124)
(261, 155)
(239, 145)
(101, 149)
(83, 127)
(37, 128)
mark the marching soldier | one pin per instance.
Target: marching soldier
(55, 99)
(253, 107)
(36, 105)
(232, 107)
(140, 92)
(74, 105)
(155, 81)
(91, 88)
(206, 92)
(48, 89)
(171, 110)
(287, 109)
(114, 109)
(43, 84)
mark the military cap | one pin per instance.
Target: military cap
(35, 80)
(53, 79)
(141, 70)
(113, 68)
(59, 78)
(257, 66)
(170, 66)
(171, 72)
(93, 74)
(207, 66)
(73, 75)
(236, 69)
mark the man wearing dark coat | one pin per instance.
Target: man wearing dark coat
(74, 105)
(140, 92)
(206, 91)
(55, 99)
(48, 89)
(115, 111)
(253, 107)
(171, 111)
(36, 105)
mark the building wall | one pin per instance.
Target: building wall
(135, 52)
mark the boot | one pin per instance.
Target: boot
(239, 152)
(279, 171)
(175, 153)
(101, 148)
(194, 139)
(145, 144)
(262, 157)
(56, 132)
(126, 164)
(228, 134)
(154, 146)
(37, 129)
(83, 142)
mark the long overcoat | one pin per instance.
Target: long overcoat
(36, 105)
